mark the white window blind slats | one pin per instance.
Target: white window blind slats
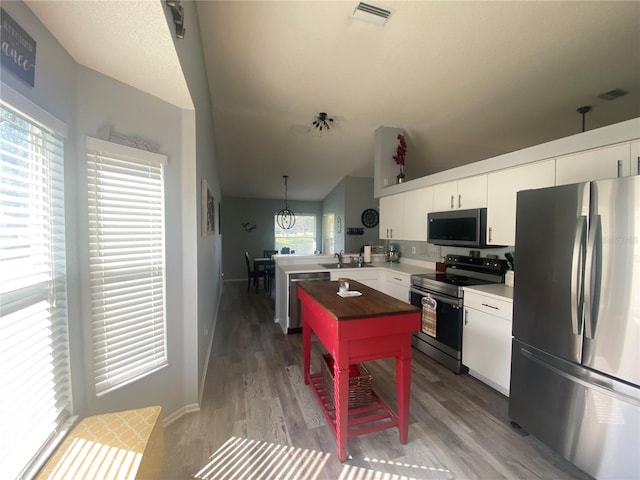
(35, 390)
(127, 277)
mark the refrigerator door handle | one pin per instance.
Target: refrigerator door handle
(592, 279)
(576, 275)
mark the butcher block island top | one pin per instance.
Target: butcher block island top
(353, 330)
(372, 302)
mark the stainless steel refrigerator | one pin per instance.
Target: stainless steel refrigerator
(575, 368)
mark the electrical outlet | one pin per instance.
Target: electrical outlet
(386, 182)
(413, 249)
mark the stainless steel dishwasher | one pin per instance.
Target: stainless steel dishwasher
(295, 322)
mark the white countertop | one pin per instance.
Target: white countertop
(394, 267)
(496, 290)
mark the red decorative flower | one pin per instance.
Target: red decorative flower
(401, 151)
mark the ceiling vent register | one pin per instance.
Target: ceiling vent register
(371, 13)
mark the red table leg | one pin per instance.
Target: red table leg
(403, 386)
(306, 348)
(341, 399)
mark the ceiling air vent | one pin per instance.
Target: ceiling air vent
(371, 13)
(613, 94)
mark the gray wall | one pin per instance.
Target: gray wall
(359, 197)
(202, 289)
(348, 199)
(334, 203)
(259, 212)
(86, 100)
(55, 91)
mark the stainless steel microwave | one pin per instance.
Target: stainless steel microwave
(458, 228)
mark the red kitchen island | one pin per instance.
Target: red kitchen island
(354, 330)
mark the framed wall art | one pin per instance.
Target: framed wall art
(208, 210)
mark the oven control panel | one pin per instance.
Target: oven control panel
(463, 261)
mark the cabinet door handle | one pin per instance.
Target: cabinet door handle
(459, 200)
(619, 168)
(391, 231)
(490, 306)
(638, 170)
(490, 232)
(451, 201)
(466, 316)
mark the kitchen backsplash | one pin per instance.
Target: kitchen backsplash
(435, 253)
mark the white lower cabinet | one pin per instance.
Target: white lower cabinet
(395, 284)
(486, 339)
(366, 276)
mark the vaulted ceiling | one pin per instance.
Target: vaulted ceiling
(466, 80)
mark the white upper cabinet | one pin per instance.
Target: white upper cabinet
(404, 216)
(391, 217)
(635, 158)
(417, 204)
(502, 189)
(596, 164)
(461, 194)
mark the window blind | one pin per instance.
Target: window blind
(127, 268)
(35, 387)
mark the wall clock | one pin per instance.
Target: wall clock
(370, 218)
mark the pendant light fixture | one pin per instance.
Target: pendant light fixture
(583, 111)
(285, 219)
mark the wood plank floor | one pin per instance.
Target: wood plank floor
(258, 417)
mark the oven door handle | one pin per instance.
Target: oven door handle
(456, 302)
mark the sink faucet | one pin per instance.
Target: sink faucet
(339, 255)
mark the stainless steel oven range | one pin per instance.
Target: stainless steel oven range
(446, 288)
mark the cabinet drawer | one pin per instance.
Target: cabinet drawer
(397, 278)
(490, 305)
(358, 274)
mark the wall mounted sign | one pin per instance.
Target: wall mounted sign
(18, 49)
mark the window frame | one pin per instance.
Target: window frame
(55, 415)
(111, 370)
(294, 246)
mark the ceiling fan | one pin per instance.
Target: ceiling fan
(322, 121)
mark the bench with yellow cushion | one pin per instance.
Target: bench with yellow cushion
(122, 445)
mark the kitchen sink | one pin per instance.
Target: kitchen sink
(344, 265)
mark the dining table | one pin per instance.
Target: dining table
(261, 266)
(361, 325)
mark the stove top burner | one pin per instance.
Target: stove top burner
(461, 272)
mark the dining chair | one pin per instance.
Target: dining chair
(250, 276)
(255, 274)
(270, 271)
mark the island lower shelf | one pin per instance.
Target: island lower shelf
(360, 420)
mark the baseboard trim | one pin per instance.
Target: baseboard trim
(210, 349)
(169, 419)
